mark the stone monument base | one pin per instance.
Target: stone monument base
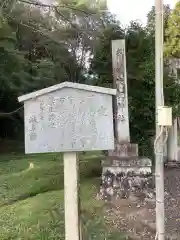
(126, 175)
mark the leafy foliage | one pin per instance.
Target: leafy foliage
(151, 19)
(41, 45)
(39, 48)
(172, 46)
(141, 74)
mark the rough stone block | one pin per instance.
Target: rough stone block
(122, 179)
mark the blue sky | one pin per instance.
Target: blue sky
(127, 10)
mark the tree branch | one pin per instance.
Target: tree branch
(2, 114)
(56, 6)
(34, 29)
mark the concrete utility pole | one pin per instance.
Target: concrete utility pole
(159, 102)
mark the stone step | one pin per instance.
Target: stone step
(128, 171)
(126, 162)
(124, 150)
(172, 164)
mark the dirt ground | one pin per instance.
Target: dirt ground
(138, 218)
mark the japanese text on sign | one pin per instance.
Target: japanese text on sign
(120, 84)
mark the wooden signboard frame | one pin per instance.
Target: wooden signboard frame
(74, 91)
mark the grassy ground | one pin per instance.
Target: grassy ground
(31, 200)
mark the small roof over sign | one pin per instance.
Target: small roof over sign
(56, 87)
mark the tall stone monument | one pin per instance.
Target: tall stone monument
(123, 172)
(120, 83)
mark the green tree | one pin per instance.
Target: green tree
(141, 73)
(151, 19)
(41, 45)
(172, 45)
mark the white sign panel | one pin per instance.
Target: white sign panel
(69, 119)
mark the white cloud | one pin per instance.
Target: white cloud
(127, 10)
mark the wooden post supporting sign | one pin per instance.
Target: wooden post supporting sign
(71, 204)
